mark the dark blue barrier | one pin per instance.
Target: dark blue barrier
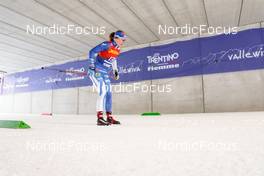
(217, 54)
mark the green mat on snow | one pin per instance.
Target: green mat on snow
(13, 124)
(150, 114)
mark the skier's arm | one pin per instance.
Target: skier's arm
(94, 52)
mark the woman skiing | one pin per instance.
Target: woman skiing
(103, 64)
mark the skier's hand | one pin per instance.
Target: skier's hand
(116, 75)
(91, 66)
(91, 69)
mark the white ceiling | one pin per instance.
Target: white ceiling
(138, 18)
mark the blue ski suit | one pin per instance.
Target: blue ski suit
(102, 63)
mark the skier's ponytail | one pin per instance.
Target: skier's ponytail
(112, 36)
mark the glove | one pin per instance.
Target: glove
(91, 69)
(91, 66)
(116, 75)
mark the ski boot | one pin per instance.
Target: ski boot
(100, 119)
(111, 120)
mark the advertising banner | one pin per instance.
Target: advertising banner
(217, 54)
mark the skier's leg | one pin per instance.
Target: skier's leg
(108, 96)
(98, 82)
(108, 101)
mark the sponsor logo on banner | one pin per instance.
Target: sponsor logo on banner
(132, 67)
(250, 53)
(52, 80)
(234, 54)
(71, 76)
(22, 82)
(163, 62)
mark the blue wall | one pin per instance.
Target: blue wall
(217, 54)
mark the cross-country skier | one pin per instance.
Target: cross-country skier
(103, 64)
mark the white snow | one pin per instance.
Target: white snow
(224, 144)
